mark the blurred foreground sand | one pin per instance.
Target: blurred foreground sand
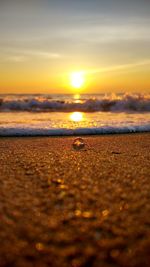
(62, 207)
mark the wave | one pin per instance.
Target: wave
(16, 131)
(113, 103)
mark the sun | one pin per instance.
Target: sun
(77, 79)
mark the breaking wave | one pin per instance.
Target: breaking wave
(115, 103)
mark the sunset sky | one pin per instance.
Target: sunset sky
(43, 42)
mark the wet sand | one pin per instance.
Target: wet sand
(63, 207)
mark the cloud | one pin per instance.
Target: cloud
(24, 55)
(43, 54)
(15, 58)
(117, 68)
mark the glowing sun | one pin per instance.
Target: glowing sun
(77, 79)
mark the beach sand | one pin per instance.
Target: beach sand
(65, 207)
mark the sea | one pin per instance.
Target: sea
(67, 114)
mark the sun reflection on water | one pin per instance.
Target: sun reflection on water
(76, 116)
(76, 96)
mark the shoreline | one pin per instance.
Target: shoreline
(75, 135)
(66, 207)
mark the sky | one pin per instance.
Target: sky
(43, 41)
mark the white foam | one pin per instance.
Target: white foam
(77, 131)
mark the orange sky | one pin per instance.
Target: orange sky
(43, 42)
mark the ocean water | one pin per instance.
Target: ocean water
(40, 114)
